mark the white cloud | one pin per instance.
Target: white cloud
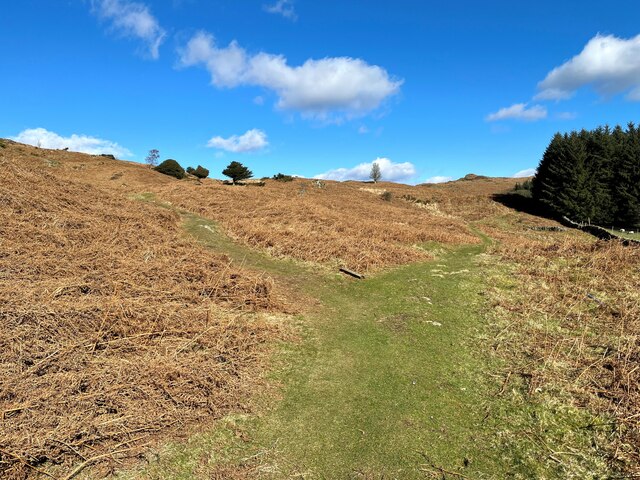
(608, 63)
(284, 8)
(519, 111)
(391, 172)
(40, 137)
(324, 89)
(259, 100)
(438, 179)
(528, 172)
(132, 19)
(250, 141)
(363, 129)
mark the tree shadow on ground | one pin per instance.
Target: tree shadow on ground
(524, 203)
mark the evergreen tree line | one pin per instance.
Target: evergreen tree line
(592, 176)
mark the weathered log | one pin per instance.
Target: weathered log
(353, 274)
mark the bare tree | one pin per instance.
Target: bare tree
(375, 174)
(152, 158)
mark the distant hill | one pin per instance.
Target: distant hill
(324, 223)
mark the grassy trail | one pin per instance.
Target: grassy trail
(384, 383)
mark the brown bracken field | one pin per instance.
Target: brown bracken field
(118, 330)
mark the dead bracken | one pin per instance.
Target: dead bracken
(115, 329)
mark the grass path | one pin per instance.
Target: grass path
(391, 378)
(384, 383)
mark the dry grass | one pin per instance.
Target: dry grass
(576, 314)
(335, 224)
(115, 328)
(108, 313)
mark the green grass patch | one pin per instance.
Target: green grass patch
(626, 234)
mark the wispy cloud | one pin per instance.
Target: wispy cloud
(284, 8)
(527, 172)
(326, 89)
(251, 141)
(566, 115)
(132, 19)
(40, 137)
(609, 64)
(391, 171)
(519, 111)
(438, 179)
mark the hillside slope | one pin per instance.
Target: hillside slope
(115, 327)
(331, 223)
(117, 330)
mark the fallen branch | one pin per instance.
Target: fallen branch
(88, 462)
(352, 273)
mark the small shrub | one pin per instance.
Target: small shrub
(172, 168)
(413, 199)
(2, 144)
(526, 185)
(190, 170)
(200, 172)
(281, 177)
(386, 196)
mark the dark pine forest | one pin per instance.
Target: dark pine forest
(592, 176)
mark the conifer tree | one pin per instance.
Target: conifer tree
(237, 172)
(592, 176)
(627, 185)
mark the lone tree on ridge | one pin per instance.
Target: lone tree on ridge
(237, 172)
(375, 174)
(152, 158)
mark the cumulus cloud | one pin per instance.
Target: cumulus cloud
(438, 179)
(391, 172)
(527, 172)
(40, 137)
(317, 88)
(609, 64)
(250, 141)
(284, 8)
(519, 111)
(132, 19)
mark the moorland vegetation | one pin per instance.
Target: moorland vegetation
(138, 309)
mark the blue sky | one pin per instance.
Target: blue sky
(318, 88)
